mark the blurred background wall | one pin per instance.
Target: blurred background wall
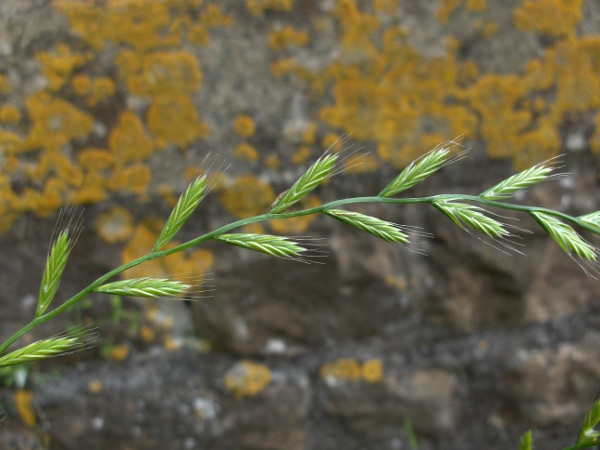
(114, 104)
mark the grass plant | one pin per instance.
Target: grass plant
(469, 212)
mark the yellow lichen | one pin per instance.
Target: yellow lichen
(95, 387)
(118, 352)
(59, 64)
(160, 73)
(95, 159)
(5, 86)
(213, 17)
(55, 122)
(476, 5)
(272, 161)
(174, 120)
(10, 115)
(23, 399)
(372, 370)
(301, 155)
(258, 7)
(134, 179)
(115, 225)
(446, 8)
(247, 378)
(550, 17)
(286, 37)
(247, 196)
(129, 141)
(245, 152)
(244, 125)
(342, 369)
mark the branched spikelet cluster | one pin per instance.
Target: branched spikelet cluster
(470, 212)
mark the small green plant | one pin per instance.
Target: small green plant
(466, 211)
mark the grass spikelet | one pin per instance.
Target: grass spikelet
(67, 342)
(420, 169)
(522, 180)
(472, 216)
(588, 435)
(144, 287)
(565, 236)
(315, 175)
(382, 229)
(185, 206)
(57, 260)
(279, 246)
(592, 219)
(526, 441)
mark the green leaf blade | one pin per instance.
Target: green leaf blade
(186, 205)
(314, 176)
(588, 435)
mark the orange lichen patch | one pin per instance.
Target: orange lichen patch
(578, 73)
(332, 142)
(5, 86)
(170, 343)
(10, 143)
(115, 225)
(246, 152)
(258, 7)
(10, 164)
(138, 23)
(87, 21)
(147, 334)
(141, 242)
(95, 387)
(102, 88)
(10, 115)
(396, 282)
(23, 406)
(301, 155)
(174, 120)
(247, 196)
(118, 352)
(247, 378)
(166, 192)
(372, 370)
(446, 8)
(95, 159)
(297, 224)
(129, 141)
(213, 17)
(198, 35)
(551, 17)
(537, 145)
(476, 5)
(342, 369)
(286, 37)
(91, 191)
(52, 197)
(244, 125)
(385, 6)
(134, 179)
(55, 122)
(272, 161)
(59, 64)
(160, 73)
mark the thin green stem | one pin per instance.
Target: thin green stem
(274, 216)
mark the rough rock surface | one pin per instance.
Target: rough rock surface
(112, 105)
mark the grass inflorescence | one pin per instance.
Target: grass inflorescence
(469, 212)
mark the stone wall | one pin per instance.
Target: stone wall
(113, 105)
